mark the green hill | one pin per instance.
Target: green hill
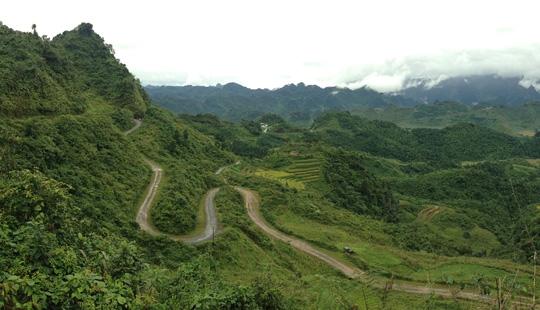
(71, 181)
(424, 208)
(456, 143)
(297, 103)
(40, 76)
(519, 120)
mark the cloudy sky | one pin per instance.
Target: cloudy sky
(378, 43)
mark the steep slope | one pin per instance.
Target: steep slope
(70, 181)
(67, 74)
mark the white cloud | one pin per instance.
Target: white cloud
(271, 43)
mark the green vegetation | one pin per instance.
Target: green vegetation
(244, 253)
(520, 120)
(298, 104)
(455, 207)
(39, 76)
(70, 182)
(305, 170)
(353, 187)
(445, 146)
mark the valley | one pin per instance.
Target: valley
(110, 201)
(252, 206)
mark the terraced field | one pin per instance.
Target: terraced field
(429, 212)
(305, 170)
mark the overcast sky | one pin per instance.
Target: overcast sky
(271, 43)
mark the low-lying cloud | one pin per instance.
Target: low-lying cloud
(379, 43)
(395, 74)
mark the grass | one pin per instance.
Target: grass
(429, 212)
(305, 169)
(282, 177)
(310, 217)
(201, 220)
(526, 133)
(534, 162)
(244, 254)
(385, 260)
(297, 175)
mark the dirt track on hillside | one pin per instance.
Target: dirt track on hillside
(251, 202)
(252, 205)
(143, 218)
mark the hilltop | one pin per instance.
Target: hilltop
(412, 216)
(41, 76)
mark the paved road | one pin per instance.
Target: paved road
(251, 202)
(143, 219)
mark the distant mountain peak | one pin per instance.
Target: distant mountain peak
(471, 89)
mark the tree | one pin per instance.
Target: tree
(85, 29)
(27, 195)
(186, 135)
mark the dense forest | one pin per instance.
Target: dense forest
(520, 120)
(298, 104)
(489, 101)
(456, 143)
(382, 171)
(70, 181)
(456, 207)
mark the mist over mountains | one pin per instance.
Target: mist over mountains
(486, 89)
(110, 202)
(302, 103)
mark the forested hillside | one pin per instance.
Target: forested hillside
(66, 74)
(456, 143)
(408, 210)
(520, 120)
(71, 179)
(298, 104)
(482, 184)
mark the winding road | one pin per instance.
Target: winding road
(252, 206)
(251, 202)
(144, 210)
(143, 218)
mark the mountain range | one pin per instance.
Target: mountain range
(301, 104)
(108, 201)
(475, 89)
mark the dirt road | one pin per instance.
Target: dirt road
(143, 219)
(138, 124)
(144, 210)
(251, 201)
(211, 224)
(252, 205)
